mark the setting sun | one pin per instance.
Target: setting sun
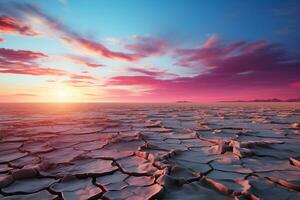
(62, 95)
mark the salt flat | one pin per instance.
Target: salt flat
(150, 151)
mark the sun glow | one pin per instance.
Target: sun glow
(63, 93)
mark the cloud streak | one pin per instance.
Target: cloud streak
(83, 61)
(147, 46)
(9, 25)
(153, 73)
(20, 55)
(81, 80)
(24, 62)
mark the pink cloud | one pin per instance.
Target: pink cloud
(153, 73)
(110, 93)
(79, 80)
(211, 42)
(24, 62)
(9, 25)
(118, 92)
(258, 57)
(20, 55)
(79, 83)
(2, 39)
(295, 84)
(34, 71)
(133, 80)
(147, 46)
(78, 76)
(99, 49)
(83, 61)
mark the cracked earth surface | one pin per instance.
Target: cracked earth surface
(144, 151)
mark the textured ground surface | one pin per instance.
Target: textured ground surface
(164, 151)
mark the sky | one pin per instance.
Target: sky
(149, 51)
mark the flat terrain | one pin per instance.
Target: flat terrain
(150, 151)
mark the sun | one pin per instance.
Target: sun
(62, 95)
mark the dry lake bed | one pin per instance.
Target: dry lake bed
(177, 151)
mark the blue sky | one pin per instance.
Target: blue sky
(188, 21)
(191, 18)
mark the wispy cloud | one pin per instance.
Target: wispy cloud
(241, 57)
(151, 72)
(24, 62)
(147, 46)
(85, 61)
(9, 25)
(20, 55)
(81, 80)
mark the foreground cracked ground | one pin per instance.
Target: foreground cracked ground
(160, 151)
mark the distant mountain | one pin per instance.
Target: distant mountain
(268, 100)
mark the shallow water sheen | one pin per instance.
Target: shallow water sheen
(150, 151)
